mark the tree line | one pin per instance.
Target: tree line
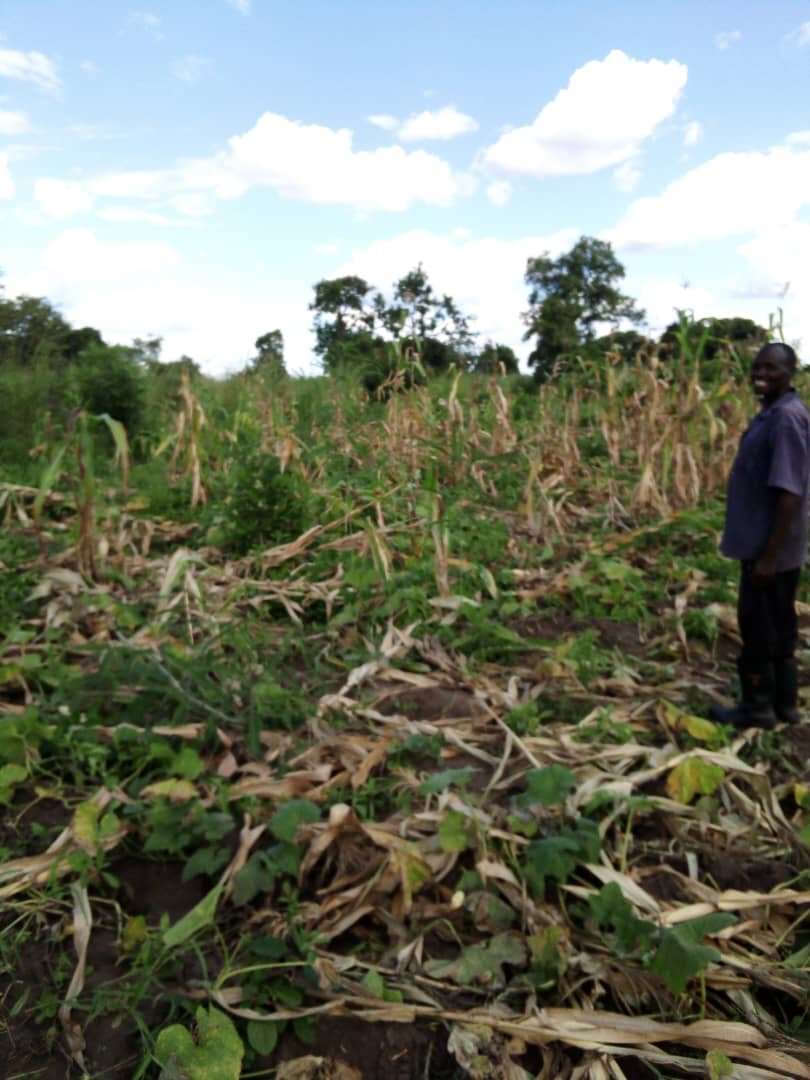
(576, 310)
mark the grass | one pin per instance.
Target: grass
(427, 743)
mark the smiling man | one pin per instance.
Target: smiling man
(766, 529)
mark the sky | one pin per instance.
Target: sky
(190, 168)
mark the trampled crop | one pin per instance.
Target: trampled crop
(402, 724)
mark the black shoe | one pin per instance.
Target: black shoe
(786, 691)
(745, 715)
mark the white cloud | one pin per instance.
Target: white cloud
(13, 122)
(304, 162)
(499, 192)
(445, 123)
(730, 194)
(192, 204)
(80, 255)
(779, 258)
(798, 138)
(135, 184)
(144, 289)
(148, 21)
(800, 37)
(726, 38)
(130, 214)
(318, 164)
(779, 276)
(89, 132)
(242, 6)
(440, 124)
(189, 68)
(33, 67)
(600, 119)
(692, 133)
(661, 298)
(6, 182)
(62, 198)
(484, 276)
(627, 176)
(384, 121)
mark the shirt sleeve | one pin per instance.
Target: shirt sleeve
(790, 455)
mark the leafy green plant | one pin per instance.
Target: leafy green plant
(548, 786)
(555, 857)
(524, 719)
(212, 1050)
(261, 506)
(674, 953)
(276, 706)
(610, 587)
(604, 728)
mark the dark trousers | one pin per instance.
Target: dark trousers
(767, 620)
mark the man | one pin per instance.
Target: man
(766, 529)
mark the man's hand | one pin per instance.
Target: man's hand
(764, 569)
(763, 572)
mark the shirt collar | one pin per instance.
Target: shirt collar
(780, 402)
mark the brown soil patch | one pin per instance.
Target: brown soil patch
(661, 883)
(429, 703)
(392, 1051)
(730, 871)
(26, 812)
(611, 633)
(154, 889)
(797, 740)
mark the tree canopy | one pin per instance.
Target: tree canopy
(570, 298)
(358, 328)
(270, 353)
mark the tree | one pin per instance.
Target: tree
(493, 359)
(355, 327)
(569, 297)
(628, 344)
(270, 352)
(76, 341)
(432, 324)
(110, 380)
(31, 329)
(341, 313)
(146, 351)
(711, 338)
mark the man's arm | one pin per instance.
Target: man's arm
(764, 570)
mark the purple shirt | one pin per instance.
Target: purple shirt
(774, 454)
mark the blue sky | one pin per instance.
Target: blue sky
(190, 168)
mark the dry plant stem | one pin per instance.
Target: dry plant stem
(511, 735)
(82, 926)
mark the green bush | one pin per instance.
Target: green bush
(262, 506)
(110, 381)
(33, 408)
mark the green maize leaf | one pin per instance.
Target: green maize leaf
(200, 916)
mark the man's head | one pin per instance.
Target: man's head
(772, 371)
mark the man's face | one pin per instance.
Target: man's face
(770, 376)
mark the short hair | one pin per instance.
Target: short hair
(786, 353)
